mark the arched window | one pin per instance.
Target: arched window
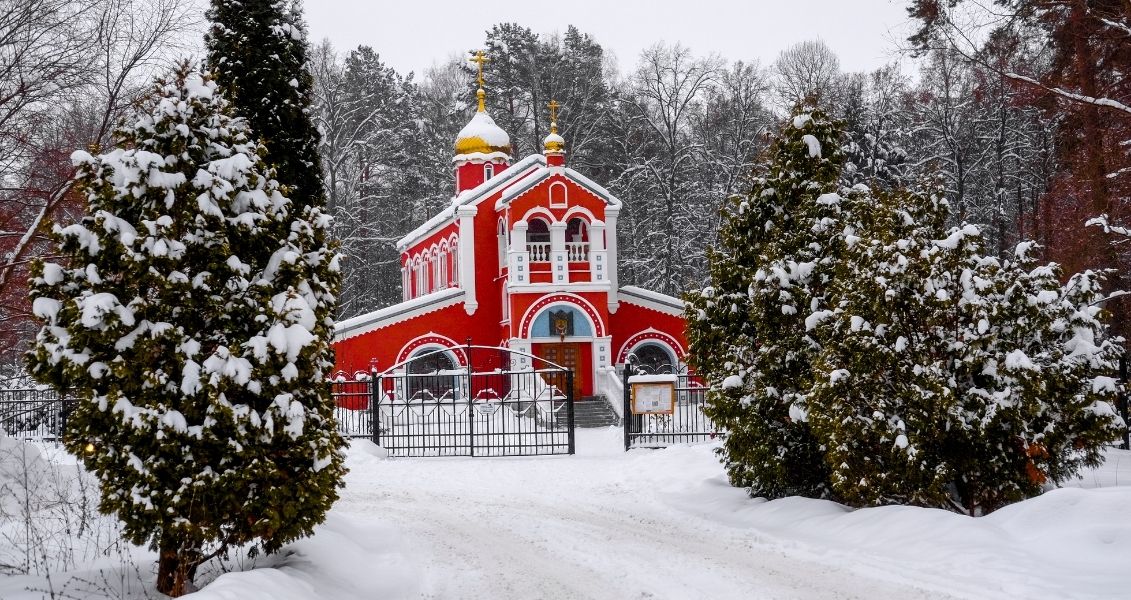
(653, 358)
(417, 283)
(406, 283)
(455, 262)
(557, 194)
(538, 240)
(577, 230)
(502, 244)
(577, 240)
(422, 277)
(431, 375)
(442, 269)
(488, 171)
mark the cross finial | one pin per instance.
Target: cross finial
(479, 59)
(554, 106)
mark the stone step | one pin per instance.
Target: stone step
(594, 412)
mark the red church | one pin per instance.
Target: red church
(524, 258)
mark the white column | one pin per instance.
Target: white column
(467, 256)
(520, 361)
(611, 213)
(598, 256)
(559, 261)
(518, 258)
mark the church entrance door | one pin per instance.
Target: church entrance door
(568, 355)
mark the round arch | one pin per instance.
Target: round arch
(651, 336)
(432, 341)
(574, 301)
(539, 211)
(582, 212)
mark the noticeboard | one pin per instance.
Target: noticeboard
(653, 398)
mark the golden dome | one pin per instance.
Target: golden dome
(554, 143)
(482, 136)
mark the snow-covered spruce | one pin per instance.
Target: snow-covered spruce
(257, 50)
(857, 348)
(948, 378)
(747, 331)
(191, 314)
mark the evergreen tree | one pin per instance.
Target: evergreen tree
(258, 52)
(883, 394)
(1035, 384)
(748, 331)
(948, 379)
(195, 336)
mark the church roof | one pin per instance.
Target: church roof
(543, 173)
(466, 197)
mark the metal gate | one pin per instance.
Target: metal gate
(34, 414)
(686, 424)
(498, 402)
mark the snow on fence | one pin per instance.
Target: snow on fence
(34, 414)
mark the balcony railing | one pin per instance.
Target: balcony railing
(577, 251)
(539, 251)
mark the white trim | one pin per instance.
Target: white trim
(397, 313)
(672, 354)
(553, 288)
(653, 300)
(539, 175)
(480, 157)
(445, 217)
(431, 347)
(565, 195)
(580, 301)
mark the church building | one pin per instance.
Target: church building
(525, 258)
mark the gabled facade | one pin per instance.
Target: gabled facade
(525, 258)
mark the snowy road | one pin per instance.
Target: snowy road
(598, 525)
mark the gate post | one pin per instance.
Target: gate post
(374, 409)
(470, 403)
(626, 412)
(569, 409)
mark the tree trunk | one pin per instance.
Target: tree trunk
(173, 569)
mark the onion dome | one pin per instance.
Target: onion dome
(482, 136)
(554, 143)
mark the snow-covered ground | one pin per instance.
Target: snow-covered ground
(665, 524)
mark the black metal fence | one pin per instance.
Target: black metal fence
(686, 422)
(34, 414)
(511, 404)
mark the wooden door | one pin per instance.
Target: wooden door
(567, 355)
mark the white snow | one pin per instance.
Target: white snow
(653, 379)
(482, 126)
(656, 524)
(732, 382)
(813, 144)
(1017, 359)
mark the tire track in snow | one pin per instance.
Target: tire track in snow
(481, 545)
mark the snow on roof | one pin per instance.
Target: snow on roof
(468, 196)
(482, 126)
(653, 300)
(397, 313)
(540, 175)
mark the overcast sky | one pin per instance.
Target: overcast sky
(414, 34)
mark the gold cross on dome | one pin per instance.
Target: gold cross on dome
(553, 110)
(479, 59)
